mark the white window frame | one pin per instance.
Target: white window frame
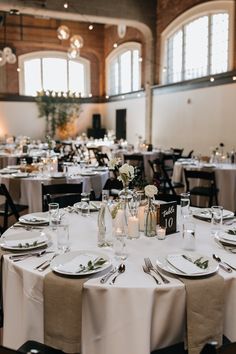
(53, 54)
(116, 53)
(205, 9)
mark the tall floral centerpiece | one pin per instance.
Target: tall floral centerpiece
(150, 215)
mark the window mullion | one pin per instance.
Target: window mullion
(183, 53)
(119, 75)
(67, 74)
(132, 83)
(209, 44)
(41, 73)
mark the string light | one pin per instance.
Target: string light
(66, 5)
(115, 45)
(90, 27)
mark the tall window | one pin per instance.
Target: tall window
(123, 68)
(200, 46)
(55, 72)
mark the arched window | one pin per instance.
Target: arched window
(123, 69)
(198, 43)
(49, 70)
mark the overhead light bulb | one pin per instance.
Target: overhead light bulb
(7, 51)
(63, 33)
(11, 59)
(90, 27)
(115, 45)
(2, 58)
(66, 5)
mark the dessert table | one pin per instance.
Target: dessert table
(225, 179)
(27, 191)
(135, 315)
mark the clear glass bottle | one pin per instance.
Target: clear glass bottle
(150, 219)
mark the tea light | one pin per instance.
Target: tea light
(119, 232)
(133, 227)
(161, 232)
(141, 217)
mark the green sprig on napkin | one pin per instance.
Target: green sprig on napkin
(231, 232)
(27, 245)
(92, 265)
(199, 262)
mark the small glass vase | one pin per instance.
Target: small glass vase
(104, 231)
(150, 219)
(126, 197)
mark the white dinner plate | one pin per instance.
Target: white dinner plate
(224, 240)
(205, 214)
(24, 241)
(20, 175)
(175, 264)
(31, 219)
(58, 175)
(69, 263)
(7, 171)
(93, 205)
(88, 173)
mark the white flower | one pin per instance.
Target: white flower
(150, 190)
(127, 170)
(113, 163)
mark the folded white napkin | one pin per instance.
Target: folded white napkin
(182, 264)
(229, 237)
(26, 241)
(73, 265)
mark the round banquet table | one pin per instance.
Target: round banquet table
(30, 193)
(225, 175)
(133, 316)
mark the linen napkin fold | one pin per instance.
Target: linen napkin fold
(205, 309)
(63, 312)
(14, 188)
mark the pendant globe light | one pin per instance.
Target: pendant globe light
(76, 41)
(63, 33)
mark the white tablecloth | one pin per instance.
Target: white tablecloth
(133, 316)
(31, 187)
(225, 181)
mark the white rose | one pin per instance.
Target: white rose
(113, 163)
(127, 170)
(150, 190)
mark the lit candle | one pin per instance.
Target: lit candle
(141, 217)
(133, 227)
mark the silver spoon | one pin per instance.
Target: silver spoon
(121, 270)
(228, 268)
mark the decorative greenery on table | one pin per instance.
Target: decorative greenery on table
(92, 265)
(199, 262)
(59, 109)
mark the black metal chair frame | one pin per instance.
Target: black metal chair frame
(9, 208)
(209, 191)
(65, 194)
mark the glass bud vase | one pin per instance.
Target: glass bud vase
(150, 219)
(104, 226)
(126, 196)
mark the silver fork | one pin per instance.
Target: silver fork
(150, 267)
(41, 267)
(145, 269)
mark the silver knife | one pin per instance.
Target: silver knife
(105, 278)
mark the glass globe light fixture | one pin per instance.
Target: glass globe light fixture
(11, 59)
(63, 33)
(7, 51)
(76, 41)
(73, 53)
(2, 58)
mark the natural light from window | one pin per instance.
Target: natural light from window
(198, 47)
(56, 73)
(123, 69)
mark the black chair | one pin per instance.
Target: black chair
(204, 185)
(168, 197)
(32, 346)
(188, 156)
(177, 153)
(9, 208)
(114, 186)
(161, 178)
(102, 158)
(65, 194)
(136, 160)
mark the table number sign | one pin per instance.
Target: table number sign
(167, 216)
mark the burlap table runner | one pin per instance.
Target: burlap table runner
(15, 188)
(63, 312)
(205, 309)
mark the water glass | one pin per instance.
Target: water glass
(85, 204)
(189, 236)
(119, 245)
(54, 216)
(216, 219)
(185, 204)
(105, 195)
(63, 243)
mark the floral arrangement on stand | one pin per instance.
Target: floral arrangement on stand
(60, 111)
